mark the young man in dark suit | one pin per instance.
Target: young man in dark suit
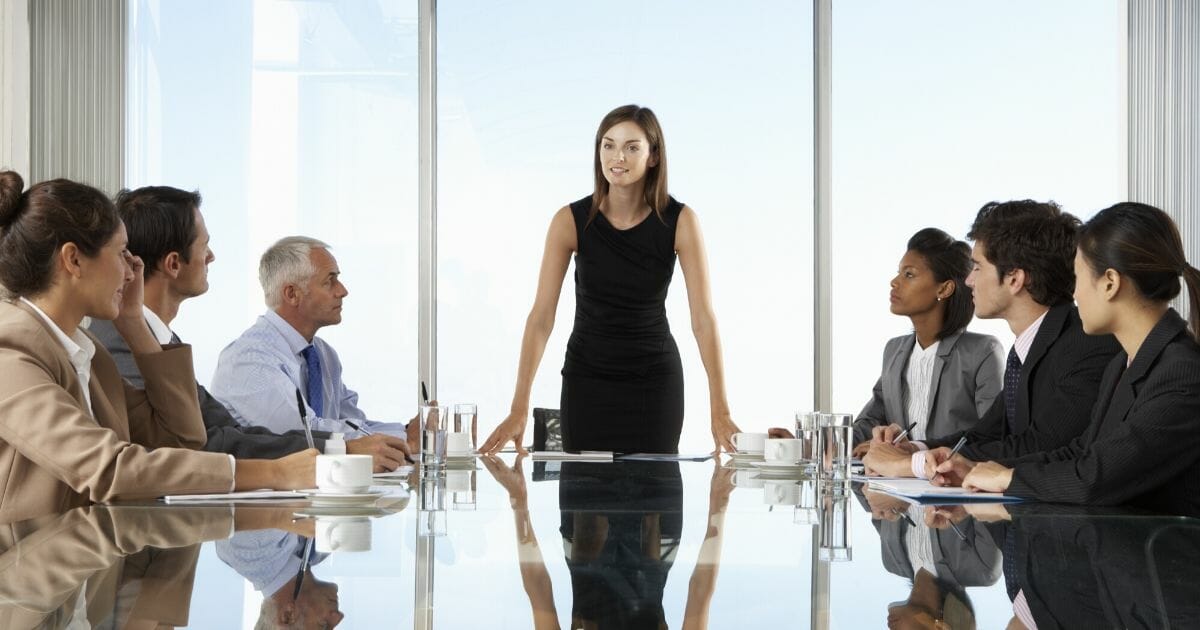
(1023, 272)
(167, 231)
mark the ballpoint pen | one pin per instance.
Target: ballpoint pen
(304, 419)
(357, 427)
(304, 564)
(954, 451)
(896, 440)
(424, 393)
(905, 516)
(961, 536)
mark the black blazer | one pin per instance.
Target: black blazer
(1057, 389)
(225, 435)
(1143, 444)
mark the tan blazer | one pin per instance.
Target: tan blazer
(95, 552)
(55, 456)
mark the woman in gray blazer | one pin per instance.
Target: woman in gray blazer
(938, 379)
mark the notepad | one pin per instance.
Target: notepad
(582, 456)
(922, 490)
(229, 497)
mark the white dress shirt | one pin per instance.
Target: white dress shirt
(918, 382)
(80, 351)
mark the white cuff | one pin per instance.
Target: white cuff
(918, 465)
(232, 473)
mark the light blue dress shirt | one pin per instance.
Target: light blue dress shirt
(258, 374)
(267, 558)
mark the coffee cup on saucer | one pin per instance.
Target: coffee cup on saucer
(749, 443)
(344, 474)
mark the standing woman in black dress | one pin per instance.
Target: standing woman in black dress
(622, 387)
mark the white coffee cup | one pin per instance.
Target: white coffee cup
(343, 533)
(344, 473)
(749, 442)
(783, 451)
(458, 444)
(747, 479)
(781, 492)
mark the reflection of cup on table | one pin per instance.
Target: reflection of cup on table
(343, 533)
(344, 473)
(747, 478)
(783, 451)
(779, 492)
(458, 445)
(749, 443)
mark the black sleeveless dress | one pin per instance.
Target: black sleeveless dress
(622, 387)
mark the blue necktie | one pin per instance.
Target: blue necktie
(316, 399)
(1012, 379)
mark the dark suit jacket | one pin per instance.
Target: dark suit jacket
(225, 435)
(1143, 444)
(1060, 379)
(968, 374)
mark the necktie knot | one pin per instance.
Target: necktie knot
(316, 397)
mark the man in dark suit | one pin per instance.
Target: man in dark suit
(167, 231)
(1023, 272)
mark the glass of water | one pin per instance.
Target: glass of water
(837, 435)
(465, 423)
(808, 429)
(434, 421)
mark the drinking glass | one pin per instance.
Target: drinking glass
(434, 421)
(465, 422)
(835, 528)
(808, 428)
(837, 436)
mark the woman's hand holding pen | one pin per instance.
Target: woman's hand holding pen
(512, 428)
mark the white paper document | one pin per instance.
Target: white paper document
(401, 472)
(665, 457)
(922, 489)
(227, 497)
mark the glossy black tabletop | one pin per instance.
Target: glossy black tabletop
(600, 545)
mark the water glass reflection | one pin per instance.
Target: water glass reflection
(835, 528)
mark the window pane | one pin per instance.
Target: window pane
(522, 87)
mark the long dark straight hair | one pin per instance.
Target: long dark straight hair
(656, 176)
(1142, 243)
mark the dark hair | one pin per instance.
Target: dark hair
(160, 220)
(656, 176)
(1142, 243)
(948, 259)
(35, 224)
(1036, 237)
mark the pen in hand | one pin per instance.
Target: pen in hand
(304, 419)
(424, 393)
(896, 440)
(957, 447)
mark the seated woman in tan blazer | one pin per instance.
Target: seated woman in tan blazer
(71, 430)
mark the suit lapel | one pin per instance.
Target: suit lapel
(1124, 393)
(893, 387)
(1049, 331)
(945, 347)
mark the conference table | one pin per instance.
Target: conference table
(509, 542)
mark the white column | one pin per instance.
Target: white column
(1163, 108)
(14, 86)
(77, 83)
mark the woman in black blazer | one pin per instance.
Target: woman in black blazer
(964, 377)
(1143, 444)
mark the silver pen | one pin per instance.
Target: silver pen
(304, 419)
(954, 451)
(896, 440)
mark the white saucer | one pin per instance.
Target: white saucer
(747, 456)
(321, 497)
(773, 467)
(461, 458)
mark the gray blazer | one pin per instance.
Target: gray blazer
(225, 435)
(968, 375)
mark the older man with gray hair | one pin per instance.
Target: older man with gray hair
(259, 375)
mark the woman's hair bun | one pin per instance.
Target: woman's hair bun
(11, 186)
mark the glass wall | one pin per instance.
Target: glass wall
(940, 107)
(300, 118)
(522, 87)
